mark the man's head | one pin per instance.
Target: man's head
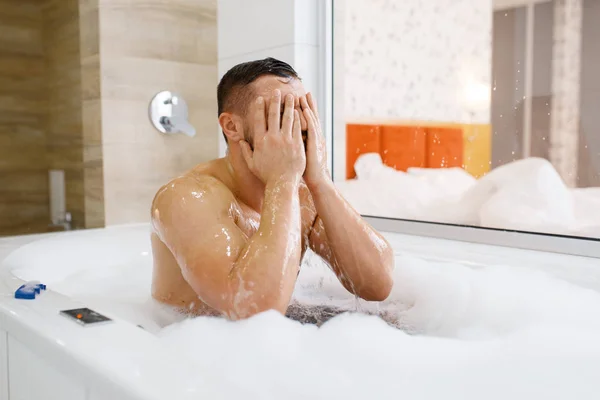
(242, 84)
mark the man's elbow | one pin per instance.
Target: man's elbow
(379, 290)
(381, 284)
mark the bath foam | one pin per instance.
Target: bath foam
(492, 333)
(433, 298)
(357, 357)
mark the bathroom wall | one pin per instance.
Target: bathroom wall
(41, 116)
(91, 113)
(76, 79)
(23, 167)
(64, 126)
(145, 47)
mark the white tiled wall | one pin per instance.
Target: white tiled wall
(102, 393)
(245, 27)
(305, 15)
(284, 52)
(283, 29)
(306, 62)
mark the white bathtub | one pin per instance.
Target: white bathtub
(45, 355)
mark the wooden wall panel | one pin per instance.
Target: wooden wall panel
(64, 121)
(23, 164)
(75, 97)
(91, 103)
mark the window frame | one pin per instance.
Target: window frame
(325, 73)
(536, 241)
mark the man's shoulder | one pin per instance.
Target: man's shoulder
(193, 187)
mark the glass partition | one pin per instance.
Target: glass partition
(477, 116)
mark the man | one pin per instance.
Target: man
(229, 235)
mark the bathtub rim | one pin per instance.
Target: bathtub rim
(534, 241)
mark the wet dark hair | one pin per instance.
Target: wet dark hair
(233, 91)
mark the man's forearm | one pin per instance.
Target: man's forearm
(265, 274)
(360, 253)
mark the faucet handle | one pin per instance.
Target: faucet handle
(186, 128)
(177, 125)
(169, 114)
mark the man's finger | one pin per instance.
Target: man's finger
(274, 112)
(247, 153)
(308, 114)
(288, 115)
(260, 123)
(312, 127)
(296, 130)
(312, 103)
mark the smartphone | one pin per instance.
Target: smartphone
(85, 316)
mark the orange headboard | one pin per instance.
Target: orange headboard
(405, 146)
(444, 147)
(360, 139)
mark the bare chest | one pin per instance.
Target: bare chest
(248, 220)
